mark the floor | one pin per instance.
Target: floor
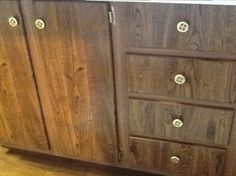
(19, 163)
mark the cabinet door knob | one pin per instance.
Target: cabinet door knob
(183, 27)
(13, 22)
(40, 24)
(175, 159)
(180, 79)
(177, 123)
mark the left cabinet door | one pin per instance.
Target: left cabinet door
(21, 121)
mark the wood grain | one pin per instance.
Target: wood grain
(155, 75)
(212, 28)
(194, 160)
(72, 61)
(21, 122)
(73, 65)
(146, 30)
(200, 124)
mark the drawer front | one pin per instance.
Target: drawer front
(181, 122)
(210, 28)
(204, 79)
(176, 158)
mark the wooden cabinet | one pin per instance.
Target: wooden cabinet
(176, 87)
(73, 68)
(21, 121)
(153, 88)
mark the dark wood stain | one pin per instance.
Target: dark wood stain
(73, 66)
(99, 89)
(149, 52)
(155, 75)
(200, 124)
(21, 122)
(212, 28)
(194, 160)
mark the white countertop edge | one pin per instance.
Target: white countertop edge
(212, 2)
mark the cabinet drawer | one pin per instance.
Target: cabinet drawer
(211, 28)
(208, 80)
(181, 122)
(176, 158)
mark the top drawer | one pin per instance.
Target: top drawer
(211, 28)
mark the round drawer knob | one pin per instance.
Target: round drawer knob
(179, 79)
(13, 22)
(40, 24)
(183, 27)
(178, 123)
(175, 159)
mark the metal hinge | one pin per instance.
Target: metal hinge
(120, 154)
(112, 15)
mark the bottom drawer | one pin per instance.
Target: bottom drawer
(175, 158)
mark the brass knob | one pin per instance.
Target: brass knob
(183, 27)
(175, 159)
(180, 79)
(13, 22)
(40, 24)
(177, 123)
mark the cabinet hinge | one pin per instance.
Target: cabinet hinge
(120, 154)
(112, 15)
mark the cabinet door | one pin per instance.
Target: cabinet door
(72, 57)
(21, 122)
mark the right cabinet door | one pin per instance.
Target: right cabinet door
(70, 45)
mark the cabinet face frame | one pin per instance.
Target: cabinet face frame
(22, 123)
(121, 49)
(73, 63)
